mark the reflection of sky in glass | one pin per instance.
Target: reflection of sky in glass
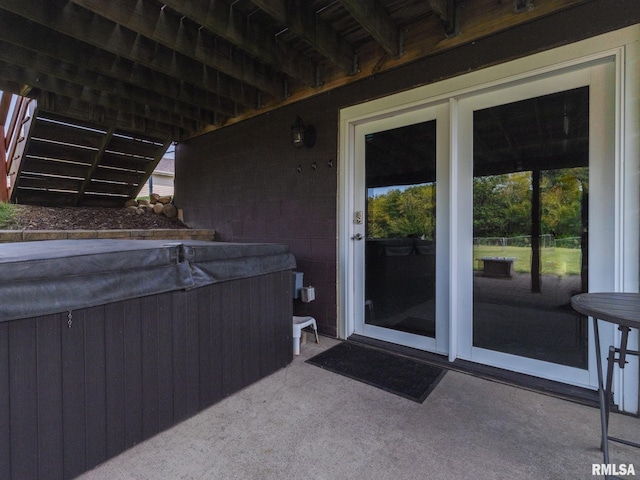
(377, 191)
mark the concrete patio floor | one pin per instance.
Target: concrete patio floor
(305, 422)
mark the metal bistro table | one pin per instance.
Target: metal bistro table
(623, 309)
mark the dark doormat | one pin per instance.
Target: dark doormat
(395, 374)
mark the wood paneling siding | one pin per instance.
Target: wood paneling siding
(79, 388)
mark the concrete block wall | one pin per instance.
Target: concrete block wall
(269, 191)
(248, 182)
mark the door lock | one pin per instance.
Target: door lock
(357, 236)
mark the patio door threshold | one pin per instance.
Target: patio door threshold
(583, 396)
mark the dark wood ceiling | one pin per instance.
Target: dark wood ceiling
(174, 68)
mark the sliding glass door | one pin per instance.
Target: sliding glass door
(530, 226)
(472, 221)
(530, 167)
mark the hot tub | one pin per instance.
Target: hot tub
(104, 343)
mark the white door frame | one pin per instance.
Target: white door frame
(440, 113)
(599, 77)
(623, 47)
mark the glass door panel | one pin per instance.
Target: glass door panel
(400, 246)
(530, 227)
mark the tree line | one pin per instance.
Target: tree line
(501, 206)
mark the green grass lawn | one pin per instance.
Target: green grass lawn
(555, 261)
(7, 214)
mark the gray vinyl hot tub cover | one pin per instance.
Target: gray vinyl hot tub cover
(41, 278)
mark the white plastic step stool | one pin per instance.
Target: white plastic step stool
(298, 324)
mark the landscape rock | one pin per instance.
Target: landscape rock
(170, 210)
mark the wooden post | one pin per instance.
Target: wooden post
(584, 237)
(5, 104)
(536, 218)
(4, 192)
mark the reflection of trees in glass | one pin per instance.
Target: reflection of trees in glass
(502, 203)
(562, 192)
(501, 206)
(402, 213)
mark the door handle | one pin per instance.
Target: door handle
(357, 236)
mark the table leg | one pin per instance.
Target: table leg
(604, 444)
(623, 346)
(611, 361)
(608, 394)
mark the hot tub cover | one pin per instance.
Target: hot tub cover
(40, 278)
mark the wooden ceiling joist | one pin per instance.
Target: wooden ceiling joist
(186, 68)
(92, 29)
(446, 10)
(375, 20)
(148, 19)
(302, 20)
(107, 71)
(63, 79)
(224, 21)
(88, 112)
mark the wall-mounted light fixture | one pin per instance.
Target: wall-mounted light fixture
(302, 135)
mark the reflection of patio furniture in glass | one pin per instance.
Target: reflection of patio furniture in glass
(497, 266)
(400, 276)
(509, 318)
(623, 309)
